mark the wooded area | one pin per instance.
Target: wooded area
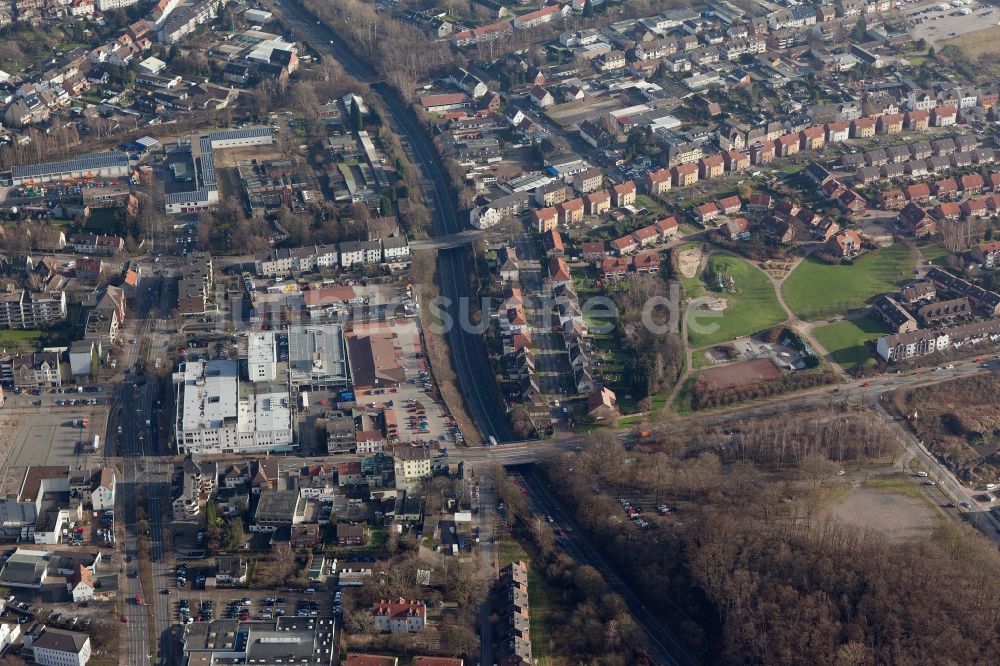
(753, 571)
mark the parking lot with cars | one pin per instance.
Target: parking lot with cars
(194, 603)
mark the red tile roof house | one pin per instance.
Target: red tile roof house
(763, 153)
(711, 166)
(947, 211)
(735, 160)
(521, 340)
(559, 271)
(846, 244)
(544, 219)
(971, 183)
(916, 220)
(730, 205)
(975, 207)
(707, 212)
(995, 182)
(735, 228)
(646, 262)
(759, 203)
(917, 120)
(614, 268)
(944, 116)
(445, 102)
(838, 132)
(812, 138)
(788, 145)
(892, 199)
(890, 123)
(685, 174)
(945, 187)
(399, 616)
(918, 192)
(862, 128)
(658, 182)
(993, 202)
(593, 251)
(666, 227)
(570, 211)
(645, 236)
(623, 245)
(988, 254)
(596, 203)
(623, 193)
(553, 243)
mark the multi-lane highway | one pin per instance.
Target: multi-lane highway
(133, 434)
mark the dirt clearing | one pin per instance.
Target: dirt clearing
(688, 262)
(899, 517)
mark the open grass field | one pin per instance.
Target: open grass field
(978, 42)
(752, 305)
(935, 254)
(846, 340)
(16, 339)
(816, 289)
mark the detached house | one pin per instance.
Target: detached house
(846, 244)
(570, 212)
(544, 219)
(917, 121)
(711, 166)
(863, 128)
(623, 194)
(944, 116)
(399, 616)
(684, 175)
(812, 138)
(916, 220)
(735, 160)
(658, 182)
(597, 203)
(889, 123)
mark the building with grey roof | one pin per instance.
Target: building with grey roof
(287, 640)
(111, 164)
(317, 356)
(56, 647)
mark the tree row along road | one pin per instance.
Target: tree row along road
(468, 352)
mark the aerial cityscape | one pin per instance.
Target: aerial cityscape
(499, 332)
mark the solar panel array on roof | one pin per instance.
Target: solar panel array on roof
(187, 197)
(207, 164)
(85, 163)
(248, 133)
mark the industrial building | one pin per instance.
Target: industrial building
(317, 358)
(205, 193)
(112, 164)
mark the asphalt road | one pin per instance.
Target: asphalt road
(468, 351)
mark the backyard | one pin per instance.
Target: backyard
(750, 305)
(816, 289)
(845, 340)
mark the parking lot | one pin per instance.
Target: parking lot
(194, 605)
(933, 24)
(412, 407)
(56, 437)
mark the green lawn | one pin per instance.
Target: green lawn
(816, 289)
(752, 305)
(935, 254)
(845, 340)
(16, 339)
